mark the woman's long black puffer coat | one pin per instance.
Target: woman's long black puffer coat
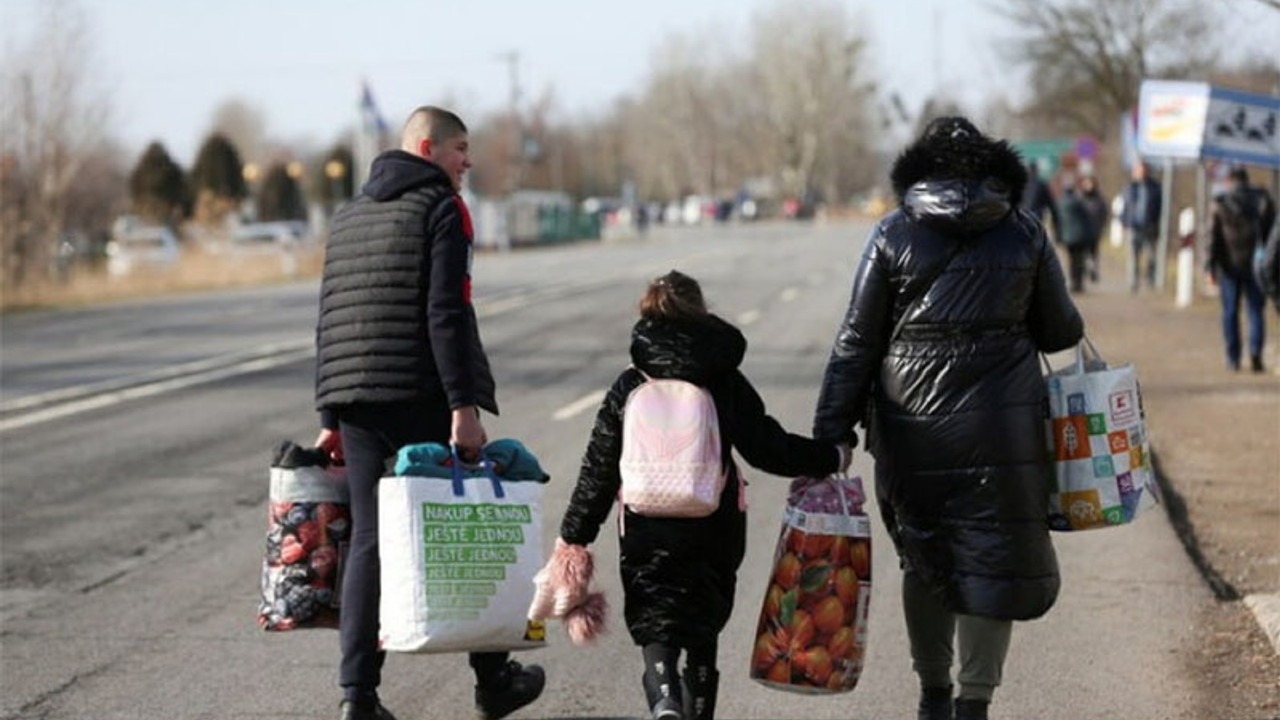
(956, 403)
(678, 574)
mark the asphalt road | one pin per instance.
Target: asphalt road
(135, 438)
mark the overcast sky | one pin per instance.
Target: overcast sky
(167, 65)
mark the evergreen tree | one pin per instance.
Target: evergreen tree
(332, 178)
(218, 170)
(158, 188)
(280, 197)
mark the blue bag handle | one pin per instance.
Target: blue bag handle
(485, 466)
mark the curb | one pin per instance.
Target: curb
(1266, 609)
(1175, 508)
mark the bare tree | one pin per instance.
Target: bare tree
(53, 120)
(674, 135)
(809, 73)
(1088, 57)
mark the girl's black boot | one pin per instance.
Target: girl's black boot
(701, 685)
(662, 688)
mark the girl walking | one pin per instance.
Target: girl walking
(678, 574)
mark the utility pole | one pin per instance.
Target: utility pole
(516, 170)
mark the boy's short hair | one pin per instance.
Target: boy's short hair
(433, 123)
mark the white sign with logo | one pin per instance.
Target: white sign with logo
(1195, 120)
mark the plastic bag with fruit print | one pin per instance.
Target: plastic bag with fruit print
(813, 623)
(308, 527)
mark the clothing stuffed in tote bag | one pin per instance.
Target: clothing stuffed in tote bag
(308, 528)
(459, 547)
(1098, 444)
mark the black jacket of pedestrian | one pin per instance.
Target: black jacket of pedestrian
(679, 574)
(1099, 215)
(957, 402)
(396, 320)
(1241, 219)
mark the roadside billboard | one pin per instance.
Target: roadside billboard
(1193, 120)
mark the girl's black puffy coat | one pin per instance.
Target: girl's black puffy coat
(957, 402)
(678, 575)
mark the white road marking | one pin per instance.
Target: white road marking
(157, 375)
(748, 317)
(789, 294)
(69, 401)
(155, 388)
(586, 402)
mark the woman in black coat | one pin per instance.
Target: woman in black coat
(678, 574)
(957, 294)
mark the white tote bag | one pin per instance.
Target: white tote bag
(1098, 444)
(458, 559)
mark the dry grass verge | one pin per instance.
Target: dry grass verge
(194, 270)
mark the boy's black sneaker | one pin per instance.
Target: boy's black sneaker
(354, 711)
(1255, 364)
(513, 688)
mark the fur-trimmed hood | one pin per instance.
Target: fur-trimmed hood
(956, 178)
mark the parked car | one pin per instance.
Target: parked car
(133, 246)
(281, 239)
(268, 236)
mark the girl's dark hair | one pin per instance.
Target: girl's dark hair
(674, 295)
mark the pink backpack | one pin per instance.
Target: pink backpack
(670, 461)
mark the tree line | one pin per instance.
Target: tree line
(795, 108)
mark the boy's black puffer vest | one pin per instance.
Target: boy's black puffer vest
(373, 341)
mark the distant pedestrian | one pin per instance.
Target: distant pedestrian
(1240, 219)
(399, 361)
(1141, 218)
(1038, 199)
(1099, 211)
(1076, 235)
(679, 573)
(938, 357)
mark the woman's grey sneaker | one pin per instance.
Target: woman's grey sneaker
(513, 688)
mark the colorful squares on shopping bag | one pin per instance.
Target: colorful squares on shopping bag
(1097, 424)
(1116, 515)
(1118, 442)
(1137, 458)
(1083, 508)
(1129, 502)
(1071, 438)
(1076, 404)
(1103, 466)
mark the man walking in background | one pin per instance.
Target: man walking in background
(1141, 217)
(1241, 218)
